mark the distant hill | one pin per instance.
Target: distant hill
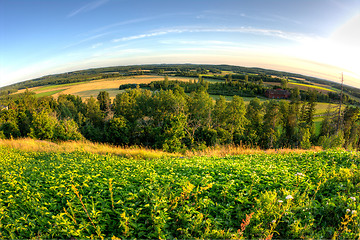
(193, 70)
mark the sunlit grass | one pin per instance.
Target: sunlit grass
(232, 150)
(32, 145)
(312, 86)
(45, 94)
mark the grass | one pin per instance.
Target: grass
(50, 93)
(312, 86)
(33, 145)
(135, 152)
(232, 150)
(58, 86)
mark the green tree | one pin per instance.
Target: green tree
(284, 83)
(351, 125)
(219, 113)
(307, 113)
(172, 132)
(166, 82)
(246, 78)
(93, 112)
(10, 129)
(254, 115)
(200, 110)
(117, 131)
(305, 140)
(66, 130)
(236, 120)
(127, 104)
(104, 101)
(290, 135)
(271, 131)
(43, 125)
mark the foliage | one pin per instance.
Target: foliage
(85, 195)
(171, 120)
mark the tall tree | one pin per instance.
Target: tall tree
(351, 127)
(254, 115)
(271, 124)
(200, 112)
(104, 101)
(236, 120)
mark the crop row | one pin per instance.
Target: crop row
(83, 195)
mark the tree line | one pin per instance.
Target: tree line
(189, 70)
(246, 87)
(174, 121)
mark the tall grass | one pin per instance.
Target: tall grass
(136, 152)
(33, 145)
(231, 150)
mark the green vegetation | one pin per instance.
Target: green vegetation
(159, 187)
(313, 86)
(84, 195)
(174, 121)
(212, 73)
(45, 94)
(59, 86)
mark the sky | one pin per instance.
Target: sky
(318, 38)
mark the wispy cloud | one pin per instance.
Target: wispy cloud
(96, 45)
(86, 40)
(148, 35)
(265, 32)
(88, 7)
(197, 42)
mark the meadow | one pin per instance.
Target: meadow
(79, 194)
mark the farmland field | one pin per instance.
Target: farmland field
(50, 93)
(83, 195)
(92, 88)
(308, 86)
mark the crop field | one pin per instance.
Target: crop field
(308, 86)
(86, 195)
(50, 93)
(92, 88)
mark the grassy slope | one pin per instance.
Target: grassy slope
(82, 195)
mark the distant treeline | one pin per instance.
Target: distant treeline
(246, 86)
(190, 70)
(174, 121)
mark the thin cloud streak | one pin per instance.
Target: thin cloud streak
(88, 7)
(86, 40)
(267, 32)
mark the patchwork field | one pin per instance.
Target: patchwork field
(305, 87)
(86, 195)
(92, 88)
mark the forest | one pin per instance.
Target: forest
(173, 120)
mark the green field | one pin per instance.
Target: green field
(312, 86)
(83, 195)
(58, 86)
(45, 94)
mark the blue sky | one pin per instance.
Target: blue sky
(314, 37)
